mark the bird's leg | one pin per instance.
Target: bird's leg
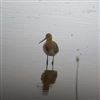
(47, 63)
(52, 62)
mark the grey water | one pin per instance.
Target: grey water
(75, 28)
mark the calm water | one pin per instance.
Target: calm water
(74, 26)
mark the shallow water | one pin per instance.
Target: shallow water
(74, 26)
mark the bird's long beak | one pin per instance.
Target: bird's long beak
(42, 40)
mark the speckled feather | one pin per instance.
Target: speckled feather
(50, 48)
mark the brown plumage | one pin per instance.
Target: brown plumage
(50, 48)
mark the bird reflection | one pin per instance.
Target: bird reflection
(48, 78)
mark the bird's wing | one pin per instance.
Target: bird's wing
(56, 48)
(45, 48)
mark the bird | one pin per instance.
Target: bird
(50, 48)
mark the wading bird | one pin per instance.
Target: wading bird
(50, 48)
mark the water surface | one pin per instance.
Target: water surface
(74, 26)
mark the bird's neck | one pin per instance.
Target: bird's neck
(49, 39)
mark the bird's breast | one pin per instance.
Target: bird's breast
(50, 48)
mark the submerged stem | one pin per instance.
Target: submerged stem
(77, 69)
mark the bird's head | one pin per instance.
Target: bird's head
(48, 37)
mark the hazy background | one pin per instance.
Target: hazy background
(74, 26)
(53, 0)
